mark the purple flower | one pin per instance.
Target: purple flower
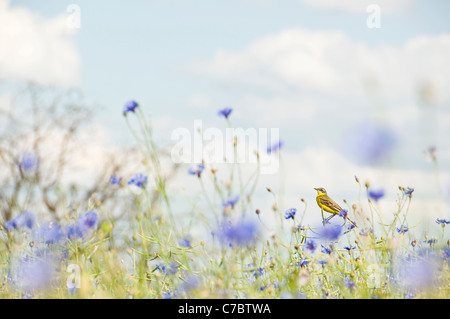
(115, 180)
(197, 171)
(28, 161)
(168, 295)
(49, 233)
(310, 245)
(274, 147)
(225, 112)
(171, 269)
(290, 213)
(330, 232)
(343, 213)
(322, 261)
(184, 242)
(303, 262)
(130, 106)
(403, 229)
(32, 274)
(416, 273)
(364, 232)
(241, 232)
(139, 180)
(442, 221)
(409, 295)
(257, 272)
(231, 202)
(376, 194)
(370, 143)
(408, 191)
(446, 253)
(25, 219)
(348, 282)
(84, 226)
(326, 250)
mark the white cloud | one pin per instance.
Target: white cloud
(359, 6)
(277, 111)
(37, 49)
(330, 62)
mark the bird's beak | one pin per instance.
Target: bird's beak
(316, 189)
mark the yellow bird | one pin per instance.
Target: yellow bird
(327, 204)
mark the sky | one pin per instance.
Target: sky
(348, 99)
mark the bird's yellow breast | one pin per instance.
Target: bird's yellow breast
(328, 204)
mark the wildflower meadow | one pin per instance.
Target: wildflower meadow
(128, 236)
(211, 158)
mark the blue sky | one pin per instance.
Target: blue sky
(184, 60)
(140, 49)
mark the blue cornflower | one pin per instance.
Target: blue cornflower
(310, 245)
(274, 147)
(139, 180)
(446, 253)
(349, 248)
(49, 233)
(32, 274)
(290, 213)
(84, 225)
(343, 213)
(28, 161)
(258, 272)
(370, 143)
(171, 269)
(25, 219)
(161, 267)
(442, 221)
(417, 273)
(231, 202)
(330, 232)
(116, 180)
(364, 232)
(168, 295)
(350, 227)
(225, 112)
(184, 242)
(87, 221)
(197, 171)
(408, 191)
(403, 229)
(130, 106)
(241, 232)
(348, 282)
(376, 194)
(322, 261)
(326, 250)
(303, 262)
(409, 295)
